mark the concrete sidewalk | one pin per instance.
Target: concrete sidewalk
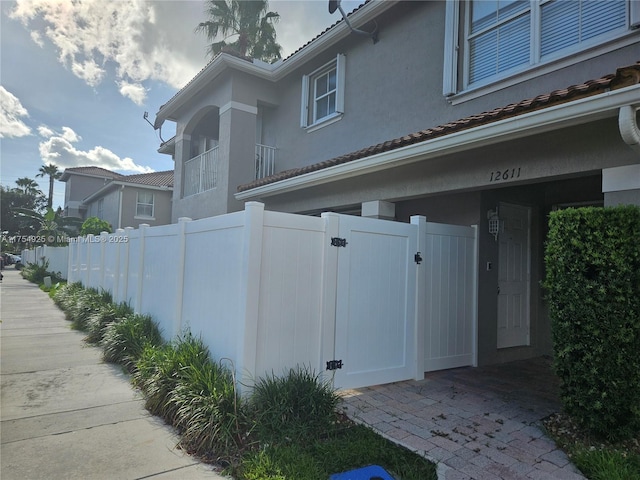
(66, 414)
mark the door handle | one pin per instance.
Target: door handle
(498, 289)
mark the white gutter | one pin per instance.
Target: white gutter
(271, 72)
(568, 114)
(628, 125)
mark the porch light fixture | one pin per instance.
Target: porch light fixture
(495, 224)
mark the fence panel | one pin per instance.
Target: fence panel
(450, 258)
(159, 284)
(58, 258)
(290, 300)
(212, 283)
(110, 266)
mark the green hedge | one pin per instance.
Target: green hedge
(593, 290)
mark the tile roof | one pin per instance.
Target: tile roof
(154, 179)
(624, 76)
(93, 171)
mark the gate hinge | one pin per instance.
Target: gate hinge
(338, 242)
(417, 258)
(334, 364)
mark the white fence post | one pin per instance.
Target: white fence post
(116, 274)
(127, 266)
(104, 238)
(250, 291)
(182, 244)
(329, 288)
(142, 228)
(421, 284)
(89, 241)
(476, 259)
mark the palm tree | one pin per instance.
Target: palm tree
(53, 173)
(250, 21)
(28, 186)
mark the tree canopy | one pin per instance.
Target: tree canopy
(53, 173)
(249, 23)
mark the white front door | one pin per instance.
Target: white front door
(375, 311)
(514, 258)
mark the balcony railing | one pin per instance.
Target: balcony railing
(265, 161)
(201, 172)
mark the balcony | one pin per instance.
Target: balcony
(265, 161)
(201, 172)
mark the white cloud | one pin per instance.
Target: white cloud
(140, 40)
(70, 136)
(59, 150)
(37, 38)
(11, 112)
(45, 131)
(134, 91)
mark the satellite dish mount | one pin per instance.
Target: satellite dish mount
(335, 5)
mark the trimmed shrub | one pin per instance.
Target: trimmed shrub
(208, 409)
(83, 304)
(294, 407)
(35, 273)
(123, 342)
(158, 372)
(593, 290)
(103, 316)
(183, 385)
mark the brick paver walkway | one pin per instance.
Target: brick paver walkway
(475, 423)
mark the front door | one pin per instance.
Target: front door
(514, 258)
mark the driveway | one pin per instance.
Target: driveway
(475, 423)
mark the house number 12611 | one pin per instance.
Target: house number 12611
(508, 174)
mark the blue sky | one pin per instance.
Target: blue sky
(77, 77)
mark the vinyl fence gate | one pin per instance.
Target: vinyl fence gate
(405, 299)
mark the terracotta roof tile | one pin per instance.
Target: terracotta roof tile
(154, 179)
(93, 171)
(623, 77)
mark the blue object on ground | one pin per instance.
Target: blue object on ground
(372, 472)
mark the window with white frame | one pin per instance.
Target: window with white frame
(144, 205)
(507, 37)
(323, 94)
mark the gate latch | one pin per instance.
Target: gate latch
(417, 258)
(334, 364)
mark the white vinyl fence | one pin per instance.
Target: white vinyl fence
(58, 258)
(271, 290)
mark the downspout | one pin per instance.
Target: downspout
(628, 125)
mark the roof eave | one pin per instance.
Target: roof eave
(568, 114)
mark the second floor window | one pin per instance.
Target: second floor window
(503, 35)
(144, 205)
(323, 93)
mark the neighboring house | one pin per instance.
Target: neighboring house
(80, 182)
(463, 112)
(131, 200)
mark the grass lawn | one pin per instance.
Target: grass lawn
(597, 458)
